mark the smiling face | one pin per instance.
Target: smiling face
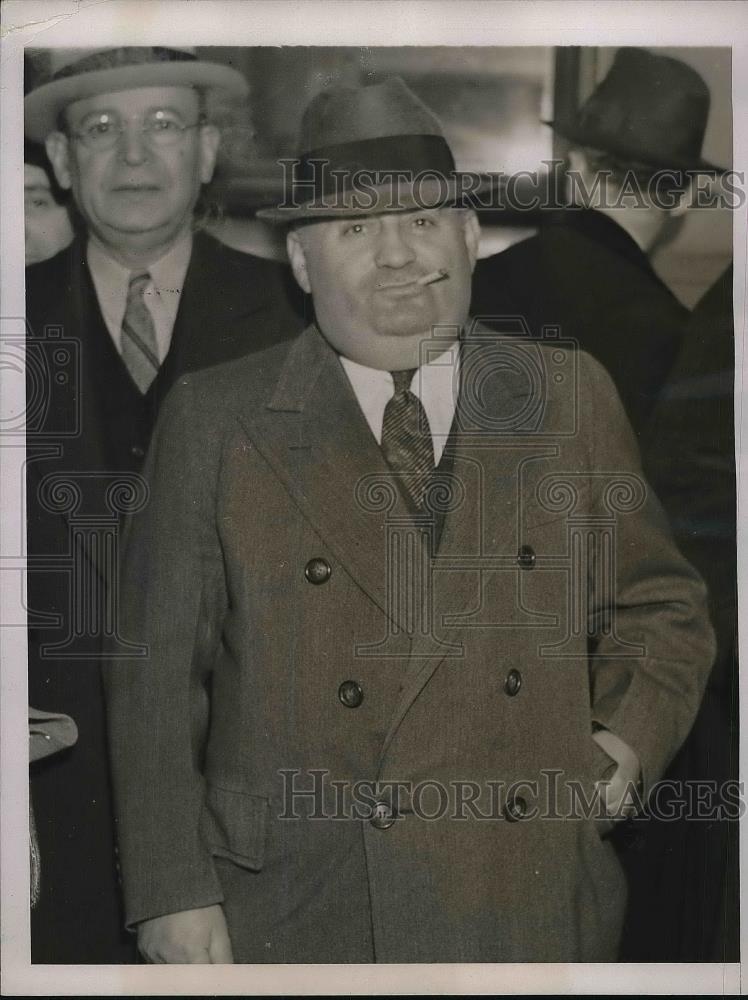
(138, 195)
(363, 274)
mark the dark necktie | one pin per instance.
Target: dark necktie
(406, 438)
(139, 350)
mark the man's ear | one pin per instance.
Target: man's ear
(210, 137)
(471, 228)
(297, 257)
(58, 151)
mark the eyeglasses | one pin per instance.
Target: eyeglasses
(101, 131)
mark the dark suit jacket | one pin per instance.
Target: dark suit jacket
(89, 427)
(583, 273)
(264, 469)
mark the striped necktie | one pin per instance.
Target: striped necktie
(406, 438)
(139, 350)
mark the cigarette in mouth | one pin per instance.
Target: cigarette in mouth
(429, 279)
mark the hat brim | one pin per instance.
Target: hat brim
(378, 199)
(609, 145)
(43, 105)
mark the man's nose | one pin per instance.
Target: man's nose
(393, 247)
(133, 146)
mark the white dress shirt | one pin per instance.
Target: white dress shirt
(161, 295)
(435, 383)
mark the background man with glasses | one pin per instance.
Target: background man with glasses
(145, 297)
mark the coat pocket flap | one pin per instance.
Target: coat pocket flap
(234, 825)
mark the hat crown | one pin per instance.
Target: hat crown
(649, 108)
(65, 62)
(368, 149)
(340, 115)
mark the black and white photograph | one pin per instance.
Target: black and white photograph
(370, 428)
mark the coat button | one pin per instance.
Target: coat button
(317, 570)
(382, 816)
(526, 557)
(515, 809)
(513, 683)
(137, 452)
(350, 694)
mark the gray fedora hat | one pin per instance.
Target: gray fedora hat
(370, 149)
(77, 73)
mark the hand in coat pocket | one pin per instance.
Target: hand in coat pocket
(189, 937)
(617, 780)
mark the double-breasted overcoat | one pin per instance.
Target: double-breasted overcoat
(369, 738)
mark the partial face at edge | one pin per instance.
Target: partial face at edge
(47, 224)
(363, 275)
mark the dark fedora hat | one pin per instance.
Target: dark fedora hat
(650, 109)
(77, 73)
(370, 149)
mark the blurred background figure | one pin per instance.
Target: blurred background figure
(47, 220)
(588, 269)
(684, 875)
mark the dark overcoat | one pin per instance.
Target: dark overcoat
(88, 430)
(583, 273)
(684, 873)
(304, 634)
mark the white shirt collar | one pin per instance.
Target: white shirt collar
(436, 384)
(111, 281)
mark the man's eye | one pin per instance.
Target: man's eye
(421, 222)
(39, 201)
(162, 121)
(100, 128)
(355, 228)
(162, 125)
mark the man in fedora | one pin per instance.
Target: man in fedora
(355, 586)
(633, 144)
(140, 297)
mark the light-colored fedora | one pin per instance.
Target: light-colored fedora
(77, 73)
(370, 149)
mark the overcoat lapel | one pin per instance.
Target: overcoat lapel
(483, 454)
(317, 440)
(315, 437)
